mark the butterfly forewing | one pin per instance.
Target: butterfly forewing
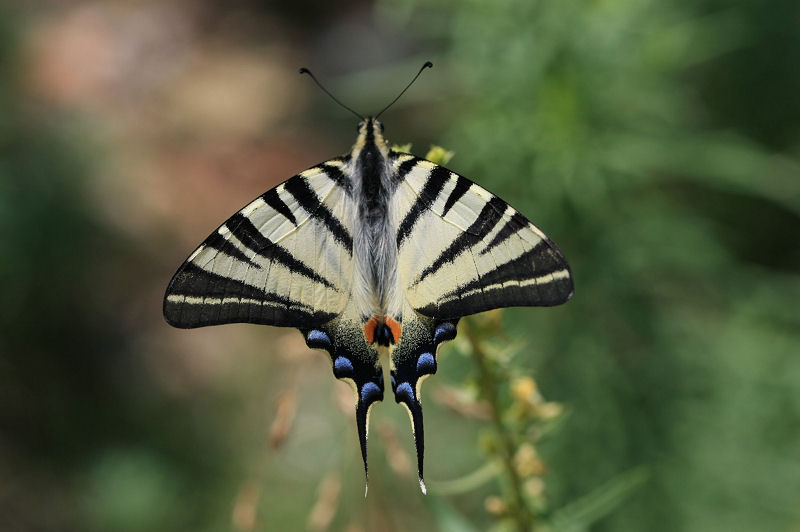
(284, 259)
(467, 250)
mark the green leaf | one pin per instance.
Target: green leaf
(584, 512)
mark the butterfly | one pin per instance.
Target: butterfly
(376, 252)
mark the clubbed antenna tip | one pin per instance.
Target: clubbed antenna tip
(304, 70)
(427, 64)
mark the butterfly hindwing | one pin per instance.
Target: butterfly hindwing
(284, 259)
(414, 358)
(355, 362)
(463, 250)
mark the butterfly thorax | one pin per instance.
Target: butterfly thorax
(371, 167)
(374, 249)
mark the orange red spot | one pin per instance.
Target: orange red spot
(369, 329)
(394, 327)
(373, 329)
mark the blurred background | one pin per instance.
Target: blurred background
(657, 142)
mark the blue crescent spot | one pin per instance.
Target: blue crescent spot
(317, 336)
(369, 391)
(444, 331)
(426, 364)
(394, 383)
(342, 365)
(404, 391)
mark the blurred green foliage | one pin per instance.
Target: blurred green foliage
(645, 140)
(86, 441)
(656, 142)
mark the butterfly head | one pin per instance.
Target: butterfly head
(370, 134)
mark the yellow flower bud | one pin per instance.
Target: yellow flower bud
(439, 155)
(527, 461)
(549, 410)
(525, 391)
(534, 487)
(494, 505)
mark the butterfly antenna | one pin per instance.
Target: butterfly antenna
(427, 64)
(304, 70)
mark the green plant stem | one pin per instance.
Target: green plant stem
(490, 387)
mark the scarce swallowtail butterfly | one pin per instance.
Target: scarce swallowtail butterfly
(374, 252)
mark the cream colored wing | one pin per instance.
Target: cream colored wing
(285, 259)
(463, 250)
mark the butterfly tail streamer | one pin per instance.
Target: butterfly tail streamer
(362, 421)
(415, 413)
(414, 359)
(354, 362)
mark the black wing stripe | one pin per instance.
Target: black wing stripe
(427, 197)
(193, 281)
(336, 175)
(462, 185)
(405, 167)
(247, 233)
(279, 254)
(540, 295)
(307, 199)
(272, 199)
(491, 213)
(193, 315)
(223, 245)
(223, 300)
(515, 224)
(244, 230)
(536, 262)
